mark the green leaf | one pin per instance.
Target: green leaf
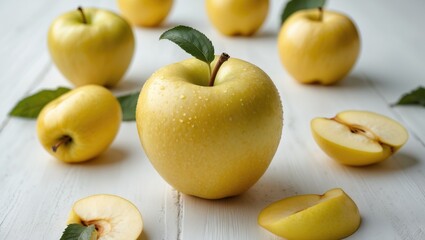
(31, 106)
(192, 41)
(128, 106)
(296, 5)
(79, 232)
(415, 97)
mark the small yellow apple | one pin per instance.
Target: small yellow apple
(330, 216)
(237, 17)
(358, 138)
(318, 46)
(210, 141)
(114, 217)
(145, 13)
(80, 124)
(91, 46)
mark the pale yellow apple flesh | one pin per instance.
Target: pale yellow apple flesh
(97, 52)
(114, 218)
(316, 49)
(145, 13)
(210, 142)
(333, 215)
(89, 117)
(358, 138)
(237, 17)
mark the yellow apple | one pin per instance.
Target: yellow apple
(330, 216)
(210, 141)
(145, 13)
(91, 46)
(80, 124)
(318, 46)
(237, 17)
(358, 138)
(114, 218)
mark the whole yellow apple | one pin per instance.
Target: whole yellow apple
(318, 46)
(210, 141)
(358, 138)
(80, 124)
(237, 17)
(145, 13)
(91, 46)
(331, 216)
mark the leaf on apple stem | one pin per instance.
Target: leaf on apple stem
(192, 41)
(296, 5)
(128, 106)
(79, 232)
(31, 106)
(415, 97)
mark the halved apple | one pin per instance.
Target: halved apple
(358, 138)
(333, 215)
(113, 217)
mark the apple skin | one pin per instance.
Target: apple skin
(98, 52)
(89, 115)
(210, 142)
(145, 13)
(237, 17)
(331, 216)
(318, 51)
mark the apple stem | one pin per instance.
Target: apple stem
(223, 57)
(82, 14)
(63, 140)
(320, 13)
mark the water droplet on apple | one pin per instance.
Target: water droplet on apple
(182, 96)
(181, 120)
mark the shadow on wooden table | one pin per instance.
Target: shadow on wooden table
(398, 162)
(111, 156)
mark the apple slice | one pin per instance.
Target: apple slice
(114, 217)
(358, 138)
(333, 215)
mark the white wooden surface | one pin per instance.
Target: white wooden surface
(37, 191)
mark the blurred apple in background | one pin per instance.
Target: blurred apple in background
(237, 17)
(91, 46)
(145, 13)
(318, 46)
